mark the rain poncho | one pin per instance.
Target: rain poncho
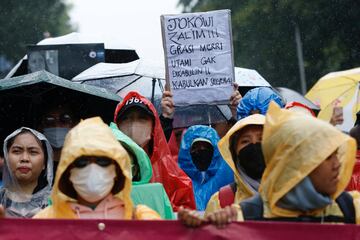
(91, 137)
(165, 169)
(243, 191)
(258, 100)
(217, 175)
(11, 188)
(294, 145)
(143, 192)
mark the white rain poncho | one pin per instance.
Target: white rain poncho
(17, 203)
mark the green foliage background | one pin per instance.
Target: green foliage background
(24, 22)
(264, 36)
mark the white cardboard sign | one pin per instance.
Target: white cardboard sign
(199, 56)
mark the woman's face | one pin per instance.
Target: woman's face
(249, 134)
(326, 176)
(26, 158)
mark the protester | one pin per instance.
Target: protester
(199, 157)
(137, 118)
(168, 111)
(309, 164)
(55, 123)
(257, 100)
(299, 107)
(241, 149)
(152, 195)
(27, 173)
(93, 179)
(354, 183)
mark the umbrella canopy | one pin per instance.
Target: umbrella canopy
(142, 76)
(148, 78)
(248, 79)
(115, 52)
(23, 99)
(338, 89)
(290, 95)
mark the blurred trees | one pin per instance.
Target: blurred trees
(264, 36)
(26, 22)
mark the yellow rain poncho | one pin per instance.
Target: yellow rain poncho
(242, 190)
(294, 145)
(91, 137)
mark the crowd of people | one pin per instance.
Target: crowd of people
(271, 161)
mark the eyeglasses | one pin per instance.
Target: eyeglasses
(82, 162)
(52, 120)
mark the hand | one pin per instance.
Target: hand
(223, 217)
(167, 104)
(234, 100)
(190, 218)
(337, 117)
(2, 211)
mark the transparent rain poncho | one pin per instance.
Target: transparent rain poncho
(15, 201)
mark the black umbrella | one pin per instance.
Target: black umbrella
(23, 99)
(290, 95)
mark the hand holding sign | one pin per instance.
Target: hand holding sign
(199, 57)
(167, 104)
(234, 100)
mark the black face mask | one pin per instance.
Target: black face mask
(251, 160)
(202, 158)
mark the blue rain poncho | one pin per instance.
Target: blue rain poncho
(257, 99)
(217, 175)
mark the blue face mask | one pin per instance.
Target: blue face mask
(56, 136)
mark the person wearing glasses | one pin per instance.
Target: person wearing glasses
(55, 123)
(93, 179)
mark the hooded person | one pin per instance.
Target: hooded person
(257, 100)
(137, 118)
(241, 150)
(27, 173)
(152, 195)
(354, 183)
(93, 179)
(308, 166)
(200, 158)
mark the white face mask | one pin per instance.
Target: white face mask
(93, 182)
(138, 131)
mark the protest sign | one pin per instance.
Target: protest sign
(199, 56)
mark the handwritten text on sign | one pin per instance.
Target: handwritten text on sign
(199, 56)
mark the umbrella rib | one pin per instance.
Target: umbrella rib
(129, 84)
